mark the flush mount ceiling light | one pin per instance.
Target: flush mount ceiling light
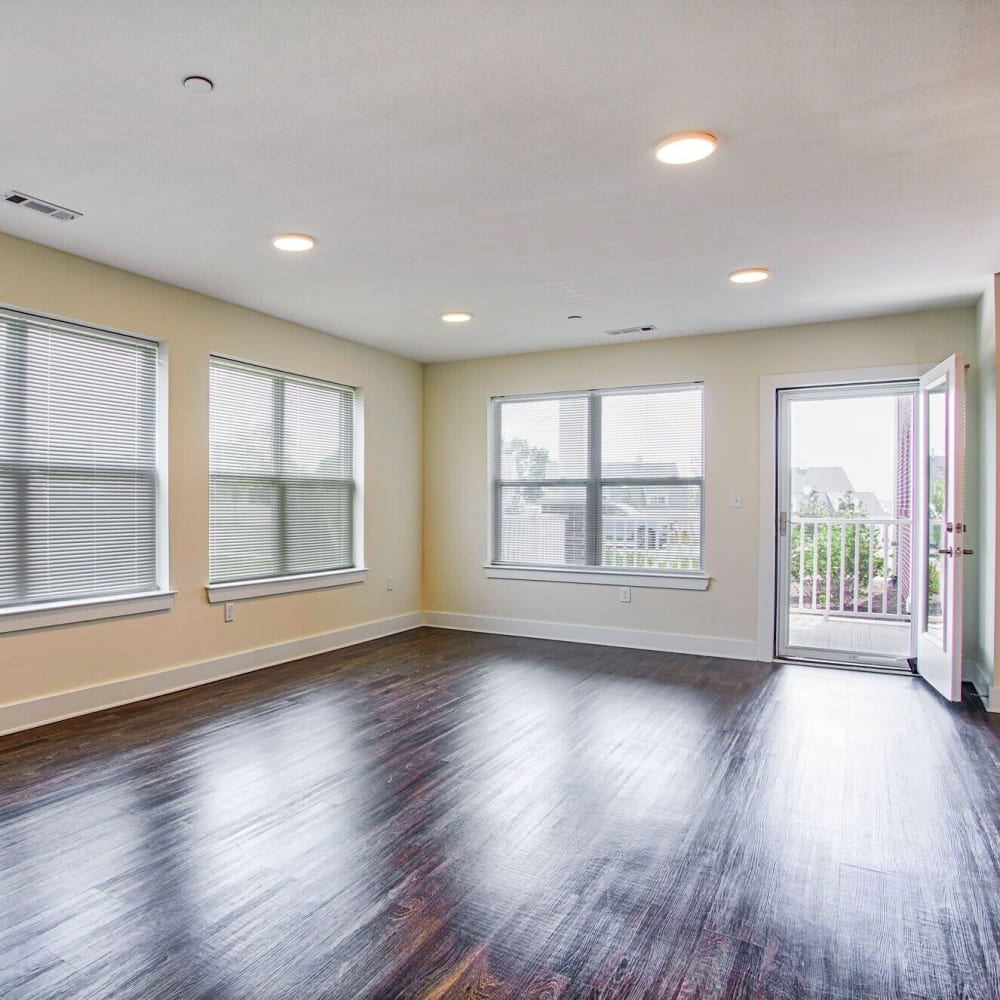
(686, 147)
(456, 317)
(198, 84)
(749, 275)
(293, 242)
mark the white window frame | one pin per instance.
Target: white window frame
(593, 575)
(53, 613)
(243, 590)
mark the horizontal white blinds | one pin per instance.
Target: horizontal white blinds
(610, 478)
(544, 438)
(282, 474)
(78, 475)
(652, 434)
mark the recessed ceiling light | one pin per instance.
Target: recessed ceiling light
(686, 147)
(293, 242)
(456, 317)
(198, 84)
(748, 275)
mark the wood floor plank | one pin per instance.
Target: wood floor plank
(452, 815)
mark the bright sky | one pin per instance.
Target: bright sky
(858, 435)
(656, 427)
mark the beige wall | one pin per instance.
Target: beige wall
(44, 662)
(456, 397)
(985, 540)
(428, 426)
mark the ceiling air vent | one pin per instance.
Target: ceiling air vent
(38, 205)
(630, 329)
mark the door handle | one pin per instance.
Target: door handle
(968, 552)
(948, 551)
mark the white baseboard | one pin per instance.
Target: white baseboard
(993, 705)
(666, 642)
(66, 704)
(976, 674)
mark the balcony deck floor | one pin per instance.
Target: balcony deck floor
(854, 635)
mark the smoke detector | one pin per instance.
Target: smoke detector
(630, 329)
(41, 206)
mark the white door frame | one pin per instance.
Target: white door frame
(768, 522)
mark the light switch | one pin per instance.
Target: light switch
(735, 500)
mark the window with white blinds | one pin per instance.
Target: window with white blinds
(78, 463)
(282, 474)
(610, 478)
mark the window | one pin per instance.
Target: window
(282, 475)
(79, 483)
(611, 479)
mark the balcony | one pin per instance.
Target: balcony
(850, 585)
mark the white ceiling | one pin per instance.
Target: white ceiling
(497, 157)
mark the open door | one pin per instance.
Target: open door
(940, 520)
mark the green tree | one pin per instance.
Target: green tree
(935, 516)
(530, 462)
(838, 543)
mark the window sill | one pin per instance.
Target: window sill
(34, 616)
(603, 577)
(242, 590)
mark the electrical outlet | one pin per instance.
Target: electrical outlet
(388, 583)
(625, 595)
(230, 611)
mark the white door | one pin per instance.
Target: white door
(940, 517)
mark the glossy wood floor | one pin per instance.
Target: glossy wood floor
(444, 814)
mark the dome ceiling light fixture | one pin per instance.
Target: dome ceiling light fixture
(293, 242)
(686, 147)
(749, 275)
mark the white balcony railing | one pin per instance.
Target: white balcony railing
(850, 566)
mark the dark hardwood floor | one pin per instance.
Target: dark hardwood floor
(444, 814)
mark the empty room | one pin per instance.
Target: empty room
(499, 501)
